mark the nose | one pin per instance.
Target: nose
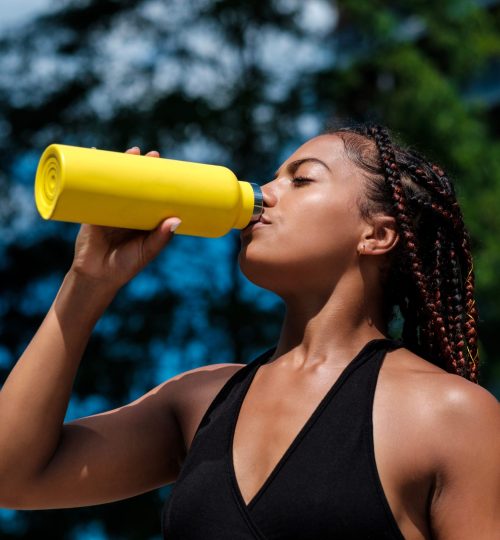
(269, 194)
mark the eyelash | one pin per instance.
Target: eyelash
(301, 180)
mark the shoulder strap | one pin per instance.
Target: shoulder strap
(236, 378)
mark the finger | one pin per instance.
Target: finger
(134, 150)
(170, 224)
(153, 153)
(159, 237)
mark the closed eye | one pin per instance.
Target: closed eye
(301, 180)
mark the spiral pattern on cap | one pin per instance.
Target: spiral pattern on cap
(48, 185)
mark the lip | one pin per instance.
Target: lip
(261, 222)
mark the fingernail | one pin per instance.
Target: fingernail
(174, 225)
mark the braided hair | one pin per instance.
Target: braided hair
(430, 272)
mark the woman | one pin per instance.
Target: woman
(338, 431)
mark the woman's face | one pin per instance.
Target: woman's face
(315, 225)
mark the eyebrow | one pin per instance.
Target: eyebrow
(292, 167)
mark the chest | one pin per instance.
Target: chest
(278, 412)
(306, 457)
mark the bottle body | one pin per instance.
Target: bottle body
(85, 185)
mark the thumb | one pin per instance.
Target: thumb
(159, 237)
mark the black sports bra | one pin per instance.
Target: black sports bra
(325, 486)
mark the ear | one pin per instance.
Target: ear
(379, 236)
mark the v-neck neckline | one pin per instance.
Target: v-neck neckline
(301, 433)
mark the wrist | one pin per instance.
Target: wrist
(88, 290)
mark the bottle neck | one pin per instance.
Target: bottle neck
(252, 204)
(258, 205)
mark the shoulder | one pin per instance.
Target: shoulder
(466, 422)
(454, 426)
(447, 394)
(459, 421)
(202, 383)
(192, 392)
(464, 438)
(206, 373)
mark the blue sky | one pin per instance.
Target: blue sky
(22, 11)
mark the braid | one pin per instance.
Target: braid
(410, 243)
(471, 316)
(452, 218)
(432, 264)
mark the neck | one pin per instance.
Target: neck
(331, 327)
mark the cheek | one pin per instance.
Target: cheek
(324, 229)
(307, 235)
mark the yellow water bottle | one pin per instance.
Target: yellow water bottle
(85, 185)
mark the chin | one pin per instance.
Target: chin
(253, 269)
(266, 272)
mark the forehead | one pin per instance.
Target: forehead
(329, 148)
(328, 143)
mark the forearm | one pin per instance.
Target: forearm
(35, 396)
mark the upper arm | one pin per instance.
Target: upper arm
(466, 501)
(123, 452)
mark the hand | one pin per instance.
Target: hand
(114, 255)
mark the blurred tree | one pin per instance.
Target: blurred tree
(239, 83)
(190, 79)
